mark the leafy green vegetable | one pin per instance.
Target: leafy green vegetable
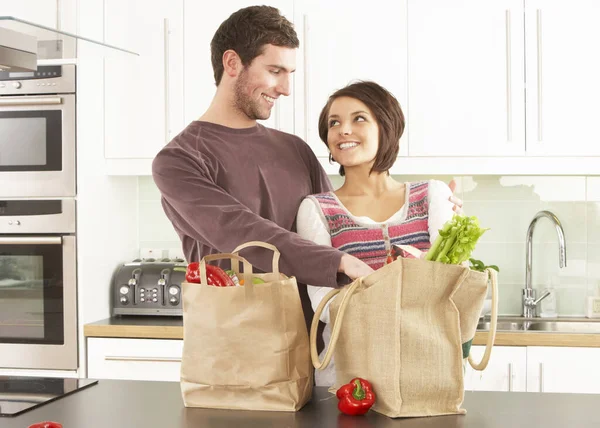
(479, 266)
(456, 241)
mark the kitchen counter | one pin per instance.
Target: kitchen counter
(172, 328)
(127, 404)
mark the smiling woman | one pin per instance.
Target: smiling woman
(361, 125)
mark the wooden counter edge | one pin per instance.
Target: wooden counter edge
(540, 339)
(502, 338)
(133, 331)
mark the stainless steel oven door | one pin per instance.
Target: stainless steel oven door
(38, 302)
(37, 146)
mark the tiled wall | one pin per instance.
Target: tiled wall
(504, 204)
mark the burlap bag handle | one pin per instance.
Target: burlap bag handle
(276, 254)
(320, 365)
(247, 275)
(491, 337)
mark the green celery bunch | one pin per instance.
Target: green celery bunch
(456, 241)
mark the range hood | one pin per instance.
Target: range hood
(23, 43)
(18, 51)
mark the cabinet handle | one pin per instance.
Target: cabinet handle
(143, 359)
(20, 101)
(30, 240)
(539, 71)
(510, 377)
(167, 100)
(306, 79)
(541, 377)
(508, 77)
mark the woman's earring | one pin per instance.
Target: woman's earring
(331, 159)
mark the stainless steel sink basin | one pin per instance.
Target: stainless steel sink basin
(502, 326)
(537, 325)
(565, 327)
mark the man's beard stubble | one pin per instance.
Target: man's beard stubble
(246, 104)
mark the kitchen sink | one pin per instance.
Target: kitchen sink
(501, 326)
(537, 325)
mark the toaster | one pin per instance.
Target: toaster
(148, 287)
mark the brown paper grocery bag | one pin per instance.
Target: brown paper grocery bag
(406, 328)
(245, 347)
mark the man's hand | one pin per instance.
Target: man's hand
(354, 267)
(458, 203)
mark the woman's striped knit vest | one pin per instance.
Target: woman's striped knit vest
(372, 243)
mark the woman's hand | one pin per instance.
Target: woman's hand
(458, 203)
(353, 267)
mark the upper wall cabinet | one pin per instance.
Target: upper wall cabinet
(563, 87)
(201, 23)
(466, 77)
(342, 41)
(143, 105)
(42, 12)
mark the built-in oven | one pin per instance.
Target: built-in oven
(37, 132)
(38, 300)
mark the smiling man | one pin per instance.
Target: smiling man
(226, 180)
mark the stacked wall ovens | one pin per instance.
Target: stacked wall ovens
(38, 304)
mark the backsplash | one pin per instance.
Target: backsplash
(505, 204)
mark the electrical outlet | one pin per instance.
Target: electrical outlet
(151, 253)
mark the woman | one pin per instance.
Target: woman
(361, 125)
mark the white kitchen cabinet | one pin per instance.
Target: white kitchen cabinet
(143, 98)
(563, 369)
(342, 41)
(563, 87)
(134, 359)
(466, 77)
(506, 370)
(42, 12)
(201, 23)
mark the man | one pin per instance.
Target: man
(226, 180)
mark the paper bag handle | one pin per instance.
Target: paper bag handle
(337, 325)
(491, 337)
(247, 266)
(276, 253)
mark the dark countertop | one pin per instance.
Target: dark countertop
(137, 404)
(159, 327)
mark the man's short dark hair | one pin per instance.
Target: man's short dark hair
(387, 113)
(247, 31)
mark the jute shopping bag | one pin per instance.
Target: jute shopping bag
(406, 328)
(245, 347)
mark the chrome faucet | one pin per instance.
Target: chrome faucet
(529, 300)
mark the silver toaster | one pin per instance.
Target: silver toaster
(148, 287)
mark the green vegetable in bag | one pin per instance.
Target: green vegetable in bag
(456, 241)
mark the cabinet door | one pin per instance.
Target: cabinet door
(343, 41)
(465, 74)
(143, 102)
(562, 369)
(42, 12)
(201, 23)
(506, 370)
(134, 359)
(563, 87)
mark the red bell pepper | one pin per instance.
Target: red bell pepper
(46, 424)
(192, 272)
(214, 275)
(356, 397)
(218, 277)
